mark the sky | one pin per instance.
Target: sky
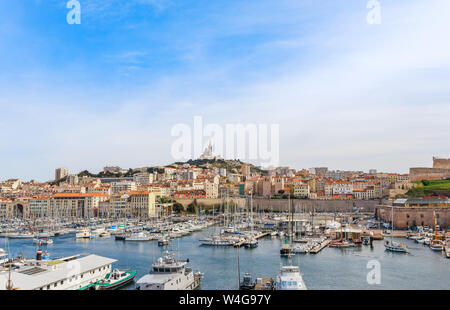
(346, 94)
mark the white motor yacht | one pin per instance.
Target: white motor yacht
(138, 237)
(84, 233)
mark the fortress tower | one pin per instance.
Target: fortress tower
(442, 163)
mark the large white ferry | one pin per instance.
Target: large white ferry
(69, 273)
(169, 274)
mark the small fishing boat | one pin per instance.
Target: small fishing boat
(116, 279)
(252, 243)
(357, 241)
(366, 241)
(395, 246)
(392, 245)
(419, 240)
(121, 237)
(24, 235)
(286, 250)
(340, 244)
(163, 241)
(247, 283)
(138, 237)
(43, 241)
(437, 245)
(42, 256)
(85, 233)
(215, 240)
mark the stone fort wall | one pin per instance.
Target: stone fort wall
(405, 217)
(419, 174)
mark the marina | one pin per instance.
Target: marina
(329, 268)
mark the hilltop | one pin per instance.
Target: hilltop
(233, 166)
(430, 188)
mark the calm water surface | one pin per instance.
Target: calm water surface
(330, 269)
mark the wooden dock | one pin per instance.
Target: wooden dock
(320, 247)
(241, 243)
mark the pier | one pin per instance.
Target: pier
(241, 243)
(320, 247)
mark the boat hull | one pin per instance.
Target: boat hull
(118, 284)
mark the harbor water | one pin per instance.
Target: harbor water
(330, 269)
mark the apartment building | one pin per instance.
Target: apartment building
(76, 204)
(211, 190)
(124, 186)
(143, 178)
(39, 207)
(141, 204)
(302, 191)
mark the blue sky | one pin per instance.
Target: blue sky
(346, 94)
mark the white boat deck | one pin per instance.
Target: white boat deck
(39, 274)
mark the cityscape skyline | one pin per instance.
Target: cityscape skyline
(100, 169)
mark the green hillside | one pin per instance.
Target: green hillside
(430, 188)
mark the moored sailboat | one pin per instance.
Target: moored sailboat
(392, 245)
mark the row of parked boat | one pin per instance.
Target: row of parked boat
(434, 243)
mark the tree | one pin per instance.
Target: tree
(85, 173)
(191, 208)
(177, 207)
(425, 182)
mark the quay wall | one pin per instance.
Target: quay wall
(405, 217)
